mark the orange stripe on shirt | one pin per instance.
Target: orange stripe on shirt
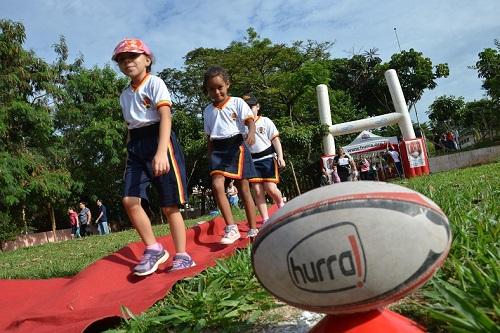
(135, 87)
(163, 103)
(222, 104)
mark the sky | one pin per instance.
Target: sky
(446, 31)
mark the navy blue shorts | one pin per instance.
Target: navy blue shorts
(139, 171)
(231, 157)
(267, 171)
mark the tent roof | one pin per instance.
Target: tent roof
(365, 136)
(367, 141)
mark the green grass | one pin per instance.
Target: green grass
(70, 257)
(463, 296)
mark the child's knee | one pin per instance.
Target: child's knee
(169, 210)
(131, 202)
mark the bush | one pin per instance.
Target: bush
(8, 230)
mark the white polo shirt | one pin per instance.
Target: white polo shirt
(226, 120)
(140, 104)
(265, 132)
(395, 156)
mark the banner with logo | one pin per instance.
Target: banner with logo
(415, 153)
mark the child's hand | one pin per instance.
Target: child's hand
(250, 139)
(281, 163)
(160, 164)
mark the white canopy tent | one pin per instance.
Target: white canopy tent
(367, 142)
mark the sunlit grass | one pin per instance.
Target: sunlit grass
(463, 296)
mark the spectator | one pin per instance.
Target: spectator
(102, 219)
(84, 217)
(75, 224)
(334, 175)
(364, 169)
(397, 161)
(346, 168)
(450, 141)
(232, 194)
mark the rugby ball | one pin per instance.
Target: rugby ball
(351, 247)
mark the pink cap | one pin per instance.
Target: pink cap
(131, 45)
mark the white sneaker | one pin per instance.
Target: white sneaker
(252, 233)
(231, 235)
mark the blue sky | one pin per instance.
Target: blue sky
(451, 31)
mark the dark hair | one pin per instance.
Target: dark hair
(213, 72)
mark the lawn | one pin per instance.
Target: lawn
(463, 296)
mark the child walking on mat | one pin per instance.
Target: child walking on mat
(267, 155)
(224, 122)
(153, 156)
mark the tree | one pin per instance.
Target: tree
(445, 113)
(33, 174)
(90, 121)
(283, 77)
(481, 117)
(416, 73)
(488, 68)
(363, 77)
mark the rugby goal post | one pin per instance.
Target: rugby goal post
(412, 150)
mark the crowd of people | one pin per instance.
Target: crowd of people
(344, 167)
(81, 222)
(446, 141)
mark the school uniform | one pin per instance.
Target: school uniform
(263, 154)
(224, 123)
(140, 110)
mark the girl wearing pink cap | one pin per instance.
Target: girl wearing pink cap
(154, 156)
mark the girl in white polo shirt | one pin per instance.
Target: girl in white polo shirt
(224, 121)
(267, 155)
(153, 156)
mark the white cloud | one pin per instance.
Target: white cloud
(445, 31)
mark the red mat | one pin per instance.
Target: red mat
(96, 293)
(381, 320)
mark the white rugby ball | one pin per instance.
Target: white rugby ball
(351, 247)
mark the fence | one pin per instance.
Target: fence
(36, 239)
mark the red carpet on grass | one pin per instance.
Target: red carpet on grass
(96, 294)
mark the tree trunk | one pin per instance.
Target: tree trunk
(295, 178)
(52, 217)
(24, 220)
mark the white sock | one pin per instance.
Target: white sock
(156, 246)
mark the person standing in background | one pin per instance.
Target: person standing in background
(102, 219)
(232, 194)
(84, 217)
(75, 224)
(346, 168)
(397, 161)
